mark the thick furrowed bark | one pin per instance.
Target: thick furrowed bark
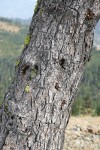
(37, 108)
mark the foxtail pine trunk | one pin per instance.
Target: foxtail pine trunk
(37, 107)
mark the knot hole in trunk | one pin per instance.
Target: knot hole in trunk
(62, 63)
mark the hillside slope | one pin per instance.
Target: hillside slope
(8, 27)
(12, 37)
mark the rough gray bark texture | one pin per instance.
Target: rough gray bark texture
(37, 107)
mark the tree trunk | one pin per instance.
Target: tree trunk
(37, 107)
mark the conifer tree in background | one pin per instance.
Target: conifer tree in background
(37, 107)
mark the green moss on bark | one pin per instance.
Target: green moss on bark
(37, 6)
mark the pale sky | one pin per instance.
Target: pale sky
(17, 8)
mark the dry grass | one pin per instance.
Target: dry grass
(83, 133)
(10, 28)
(84, 121)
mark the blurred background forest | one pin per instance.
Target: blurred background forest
(12, 36)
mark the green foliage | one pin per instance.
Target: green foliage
(6, 74)
(33, 72)
(97, 107)
(11, 45)
(17, 62)
(36, 9)
(41, 10)
(27, 40)
(78, 107)
(27, 89)
(89, 91)
(8, 113)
